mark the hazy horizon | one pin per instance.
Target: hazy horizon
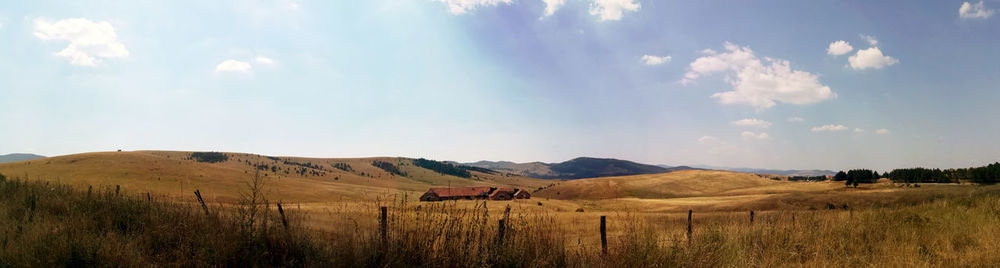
(779, 85)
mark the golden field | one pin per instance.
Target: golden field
(334, 217)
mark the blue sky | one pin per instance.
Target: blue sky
(775, 84)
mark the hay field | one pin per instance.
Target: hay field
(874, 225)
(170, 173)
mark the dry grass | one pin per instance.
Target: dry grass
(169, 173)
(55, 225)
(47, 223)
(686, 183)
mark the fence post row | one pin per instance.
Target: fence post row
(197, 193)
(604, 236)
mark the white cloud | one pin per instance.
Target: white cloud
(882, 131)
(859, 130)
(870, 39)
(974, 11)
(654, 60)
(870, 58)
(552, 5)
(264, 60)
(233, 66)
(458, 7)
(752, 122)
(756, 83)
(754, 136)
(830, 128)
(795, 119)
(707, 139)
(292, 4)
(612, 9)
(89, 42)
(839, 47)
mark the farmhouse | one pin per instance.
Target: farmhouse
(472, 193)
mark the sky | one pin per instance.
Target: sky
(764, 84)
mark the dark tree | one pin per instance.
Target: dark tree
(840, 176)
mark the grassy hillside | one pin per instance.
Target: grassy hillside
(295, 179)
(51, 225)
(687, 183)
(532, 169)
(577, 168)
(706, 190)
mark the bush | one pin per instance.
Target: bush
(388, 167)
(209, 157)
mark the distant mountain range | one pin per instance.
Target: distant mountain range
(18, 157)
(578, 168)
(785, 172)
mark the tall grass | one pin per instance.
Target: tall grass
(54, 225)
(45, 225)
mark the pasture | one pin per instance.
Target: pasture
(130, 201)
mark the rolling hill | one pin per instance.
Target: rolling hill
(679, 184)
(222, 176)
(578, 168)
(783, 172)
(18, 157)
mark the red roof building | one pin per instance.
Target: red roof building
(471, 193)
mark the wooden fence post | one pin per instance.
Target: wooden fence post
(690, 211)
(284, 221)
(197, 193)
(89, 189)
(501, 228)
(118, 188)
(751, 217)
(383, 223)
(149, 199)
(604, 236)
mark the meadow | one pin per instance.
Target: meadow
(47, 224)
(58, 214)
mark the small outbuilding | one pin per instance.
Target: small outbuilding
(502, 194)
(522, 194)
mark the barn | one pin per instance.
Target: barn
(441, 194)
(474, 193)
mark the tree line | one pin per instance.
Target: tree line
(984, 174)
(443, 168)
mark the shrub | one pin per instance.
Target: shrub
(209, 157)
(388, 167)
